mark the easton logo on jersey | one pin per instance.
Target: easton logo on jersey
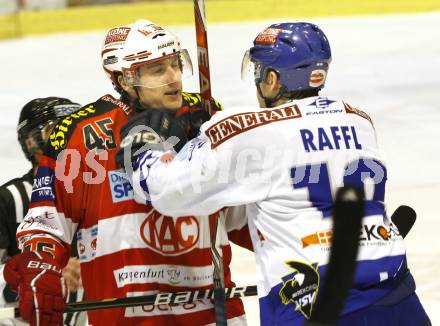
(301, 287)
(321, 103)
(236, 124)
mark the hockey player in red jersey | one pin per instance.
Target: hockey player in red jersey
(37, 118)
(125, 249)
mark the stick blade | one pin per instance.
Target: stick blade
(404, 218)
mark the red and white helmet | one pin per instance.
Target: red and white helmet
(128, 47)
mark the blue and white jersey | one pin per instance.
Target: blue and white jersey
(284, 165)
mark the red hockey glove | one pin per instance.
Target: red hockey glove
(40, 286)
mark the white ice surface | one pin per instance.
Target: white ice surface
(388, 66)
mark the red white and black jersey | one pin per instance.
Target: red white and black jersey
(125, 249)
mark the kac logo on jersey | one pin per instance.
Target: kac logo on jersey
(42, 189)
(301, 287)
(120, 187)
(170, 236)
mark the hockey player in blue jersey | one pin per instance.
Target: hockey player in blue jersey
(284, 162)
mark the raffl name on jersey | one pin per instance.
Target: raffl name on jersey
(334, 137)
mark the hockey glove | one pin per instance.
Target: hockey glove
(151, 129)
(40, 286)
(191, 121)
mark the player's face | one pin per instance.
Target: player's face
(164, 97)
(161, 84)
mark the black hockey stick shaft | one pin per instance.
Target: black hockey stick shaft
(347, 217)
(162, 298)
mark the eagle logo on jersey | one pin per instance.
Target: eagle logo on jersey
(301, 287)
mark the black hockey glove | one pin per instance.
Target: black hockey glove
(192, 120)
(150, 129)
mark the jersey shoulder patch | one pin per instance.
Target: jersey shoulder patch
(351, 110)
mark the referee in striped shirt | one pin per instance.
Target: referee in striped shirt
(37, 119)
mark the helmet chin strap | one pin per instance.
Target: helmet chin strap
(269, 102)
(133, 102)
(137, 103)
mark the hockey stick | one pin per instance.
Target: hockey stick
(205, 93)
(162, 298)
(347, 217)
(202, 55)
(218, 274)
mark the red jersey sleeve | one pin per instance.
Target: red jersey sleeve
(58, 191)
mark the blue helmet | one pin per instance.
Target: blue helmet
(298, 52)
